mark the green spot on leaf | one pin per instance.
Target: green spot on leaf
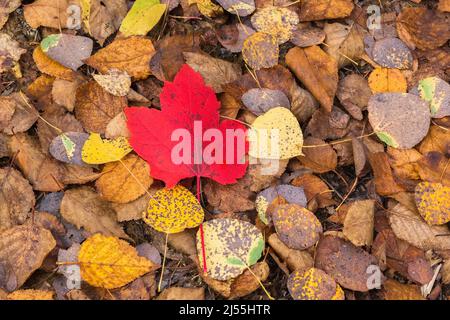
(255, 252)
(50, 42)
(69, 145)
(235, 261)
(388, 139)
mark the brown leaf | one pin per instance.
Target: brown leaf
(434, 167)
(25, 248)
(343, 261)
(311, 10)
(344, 42)
(317, 71)
(423, 28)
(353, 92)
(385, 183)
(19, 115)
(133, 210)
(6, 8)
(215, 72)
(51, 67)
(10, 53)
(410, 227)
(315, 189)
(232, 36)
(105, 17)
(64, 93)
(403, 162)
(95, 107)
(299, 260)
(83, 207)
(44, 173)
(394, 290)
(131, 55)
(76, 174)
(177, 293)
(306, 37)
(319, 159)
(16, 198)
(359, 222)
(444, 5)
(31, 294)
(47, 13)
(324, 125)
(117, 184)
(117, 127)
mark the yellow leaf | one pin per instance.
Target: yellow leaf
(314, 284)
(387, 80)
(51, 67)
(142, 17)
(260, 50)
(98, 151)
(208, 8)
(30, 294)
(173, 210)
(110, 263)
(276, 135)
(433, 202)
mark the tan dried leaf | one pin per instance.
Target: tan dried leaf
(359, 222)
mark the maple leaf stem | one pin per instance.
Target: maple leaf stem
(202, 235)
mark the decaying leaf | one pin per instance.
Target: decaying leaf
(260, 50)
(47, 13)
(277, 21)
(422, 28)
(344, 43)
(51, 67)
(354, 93)
(67, 147)
(319, 159)
(346, 263)
(433, 202)
(410, 227)
(233, 36)
(31, 294)
(385, 183)
(68, 50)
(314, 284)
(437, 92)
(6, 8)
(83, 207)
(259, 101)
(16, 198)
(17, 113)
(387, 80)
(110, 263)
(392, 53)
(118, 185)
(359, 222)
(296, 226)
(401, 120)
(131, 55)
(98, 151)
(242, 8)
(394, 290)
(317, 71)
(95, 107)
(173, 210)
(10, 52)
(307, 37)
(176, 293)
(116, 82)
(315, 189)
(275, 135)
(296, 260)
(311, 10)
(432, 167)
(231, 246)
(25, 248)
(64, 93)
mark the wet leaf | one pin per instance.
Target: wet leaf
(359, 222)
(275, 135)
(83, 207)
(259, 101)
(400, 120)
(260, 50)
(16, 198)
(433, 202)
(68, 50)
(387, 80)
(98, 151)
(95, 107)
(392, 53)
(317, 71)
(173, 210)
(231, 246)
(437, 92)
(118, 185)
(142, 17)
(131, 55)
(296, 226)
(108, 262)
(314, 284)
(277, 21)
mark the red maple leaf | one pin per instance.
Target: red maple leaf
(183, 101)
